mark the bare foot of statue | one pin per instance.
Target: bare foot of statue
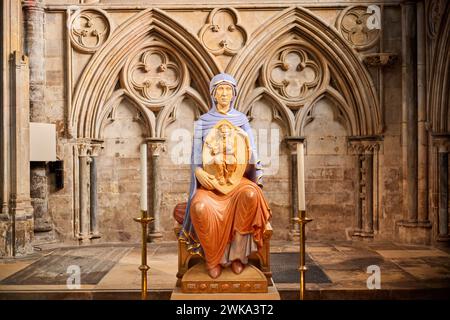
(237, 266)
(215, 272)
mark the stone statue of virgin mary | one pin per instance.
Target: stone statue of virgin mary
(226, 213)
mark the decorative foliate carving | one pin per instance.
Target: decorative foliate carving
(294, 74)
(363, 147)
(380, 59)
(154, 75)
(222, 32)
(360, 26)
(89, 29)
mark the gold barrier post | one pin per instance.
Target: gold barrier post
(144, 220)
(302, 221)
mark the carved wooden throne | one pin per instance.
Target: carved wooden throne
(186, 260)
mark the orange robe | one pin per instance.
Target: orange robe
(217, 217)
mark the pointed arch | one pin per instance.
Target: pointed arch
(358, 90)
(99, 77)
(148, 118)
(165, 117)
(286, 114)
(439, 84)
(303, 117)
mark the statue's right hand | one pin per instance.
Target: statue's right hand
(205, 178)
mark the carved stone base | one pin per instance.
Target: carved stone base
(197, 280)
(414, 233)
(443, 240)
(271, 294)
(154, 237)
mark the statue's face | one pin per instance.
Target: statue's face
(223, 96)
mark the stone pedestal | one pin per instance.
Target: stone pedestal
(413, 232)
(251, 284)
(197, 280)
(272, 294)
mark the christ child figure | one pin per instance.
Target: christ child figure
(223, 151)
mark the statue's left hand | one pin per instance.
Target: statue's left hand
(205, 178)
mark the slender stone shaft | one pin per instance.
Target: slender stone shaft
(443, 192)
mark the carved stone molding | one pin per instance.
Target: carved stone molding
(154, 74)
(222, 32)
(380, 59)
(89, 29)
(359, 26)
(294, 73)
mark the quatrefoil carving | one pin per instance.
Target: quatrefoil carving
(89, 29)
(222, 32)
(293, 74)
(154, 75)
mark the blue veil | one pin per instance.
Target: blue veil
(201, 129)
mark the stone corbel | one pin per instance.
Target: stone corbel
(380, 59)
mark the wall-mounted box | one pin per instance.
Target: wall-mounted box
(42, 141)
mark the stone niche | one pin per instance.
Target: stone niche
(329, 174)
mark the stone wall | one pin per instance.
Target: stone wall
(330, 168)
(306, 70)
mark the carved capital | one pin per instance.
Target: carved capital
(292, 142)
(96, 148)
(156, 146)
(381, 59)
(364, 145)
(83, 149)
(37, 5)
(89, 147)
(442, 141)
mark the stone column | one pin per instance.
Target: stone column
(155, 147)
(294, 230)
(443, 192)
(442, 142)
(93, 222)
(34, 46)
(409, 111)
(364, 148)
(422, 199)
(16, 215)
(414, 228)
(83, 219)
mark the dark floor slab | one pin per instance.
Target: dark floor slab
(285, 269)
(94, 263)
